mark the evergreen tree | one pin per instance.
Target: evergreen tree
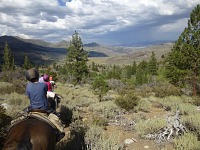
(76, 59)
(8, 58)
(114, 72)
(134, 68)
(142, 72)
(185, 54)
(100, 85)
(94, 67)
(153, 67)
(130, 70)
(127, 73)
(27, 65)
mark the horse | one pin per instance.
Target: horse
(31, 134)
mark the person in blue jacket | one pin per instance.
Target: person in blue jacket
(36, 91)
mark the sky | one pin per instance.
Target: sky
(112, 22)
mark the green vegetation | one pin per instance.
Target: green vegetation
(145, 127)
(97, 95)
(4, 123)
(100, 86)
(127, 100)
(183, 61)
(8, 58)
(188, 141)
(27, 64)
(76, 60)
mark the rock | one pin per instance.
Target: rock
(6, 106)
(146, 146)
(128, 141)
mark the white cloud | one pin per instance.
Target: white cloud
(94, 18)
(74, 4)
(176, 26)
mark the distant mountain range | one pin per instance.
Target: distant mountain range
(144, 43)
(38, 51)
(41, 52)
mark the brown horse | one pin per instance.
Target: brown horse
(31, 134)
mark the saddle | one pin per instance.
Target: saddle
(52, 120)
(42, 115)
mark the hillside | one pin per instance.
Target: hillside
(131, 54)
(38, 51)
(142, 54)
(42, 52)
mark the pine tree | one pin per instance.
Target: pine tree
(185, 54)
(8, 58)
(153, 67)
(100, 85)
(94, 67)
(134, 68)
(76, 59)
(142, 72)
(130, 70)
(27, 64)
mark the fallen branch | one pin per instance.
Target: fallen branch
(173, 128)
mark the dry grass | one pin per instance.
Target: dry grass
(17, 102)
(90, 113)
(151, 125)
(189, 141)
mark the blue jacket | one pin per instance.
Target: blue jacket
(37, 95)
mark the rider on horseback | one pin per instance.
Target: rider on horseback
(37, 93)
(50, 93)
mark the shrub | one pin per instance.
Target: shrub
(187, 109)
(145, 91)
(188, 141)
(100, 86)
(116, 84)
(16, 78)
(144, 105)
(144, 127)
(196, 100)
(192, 122)
(100, 121)
(166, 89)
(127, 100)
(12, 76)
(4, 122)
(107, 109)
(97, 139)
(15, 87)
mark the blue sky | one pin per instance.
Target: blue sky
(102, 21)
